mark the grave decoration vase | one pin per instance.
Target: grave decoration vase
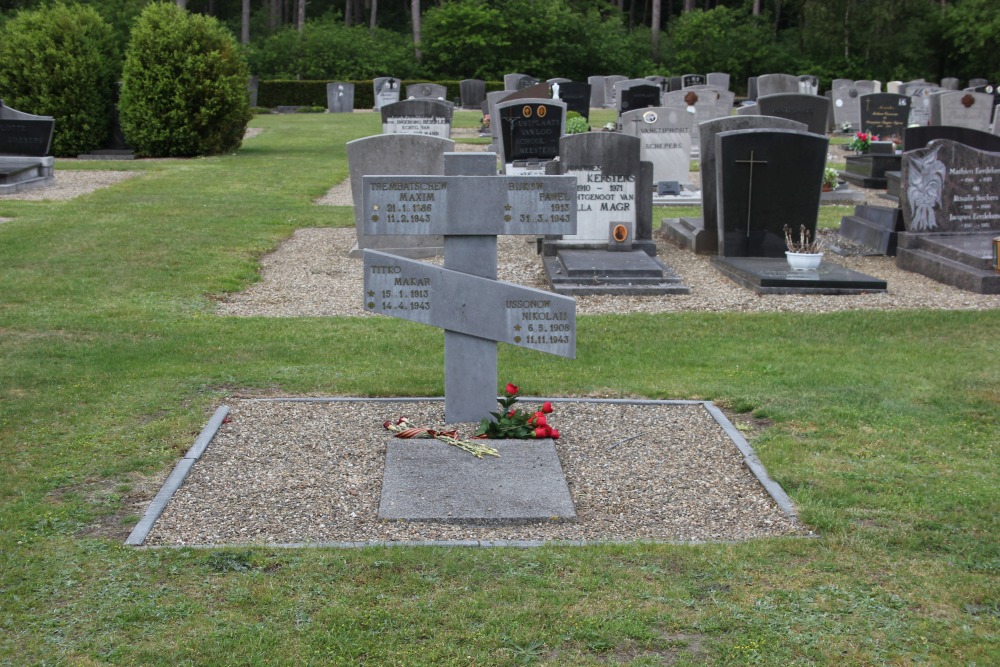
(803, 261)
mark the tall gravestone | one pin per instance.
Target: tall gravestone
(847, 107)
(963, 109)
(596, 91)
(812, 110)
(473, 93)
(766, 179)
(701, 235)
(703, 104)
(469, 207)
(808, 84)
(718, 79)
(921, 102)
(776, 84)
(339, 97)
(402, 154)
(423, 116)
(689, 80)
(577, 97)
(665, 136)
(518, 81)
(387, 91)
(885, 114)
(637, 96)
(609, 89)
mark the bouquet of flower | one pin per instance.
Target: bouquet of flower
(510, 422)
(404, 429)
(862, 142)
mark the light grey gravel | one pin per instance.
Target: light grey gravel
(68, 184)
(290, 472)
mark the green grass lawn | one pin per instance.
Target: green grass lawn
(883, 428)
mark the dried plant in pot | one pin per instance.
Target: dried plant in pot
(804, 254)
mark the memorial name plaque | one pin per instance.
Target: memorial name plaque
(602, 197)
(950, 187)
(436, 126)
(456, 301)
(439, 204)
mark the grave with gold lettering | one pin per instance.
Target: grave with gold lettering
(470, 206)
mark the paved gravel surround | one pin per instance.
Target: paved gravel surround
(309, 471)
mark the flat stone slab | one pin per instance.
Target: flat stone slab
(428, 480)
(772, 275)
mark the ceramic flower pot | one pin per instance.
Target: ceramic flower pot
(803, 261)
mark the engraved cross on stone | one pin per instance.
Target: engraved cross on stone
(750, 162)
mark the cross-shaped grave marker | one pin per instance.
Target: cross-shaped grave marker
(470, 205)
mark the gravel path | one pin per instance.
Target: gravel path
(291, 472)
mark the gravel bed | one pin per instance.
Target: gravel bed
(292, 472)
(69, 184)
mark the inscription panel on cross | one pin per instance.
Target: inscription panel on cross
(451, 205)
(488, 309)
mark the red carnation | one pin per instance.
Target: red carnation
(511, 389)
(547, 407)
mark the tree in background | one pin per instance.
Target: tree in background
(61, 61)
(972, 29)
(184, 86)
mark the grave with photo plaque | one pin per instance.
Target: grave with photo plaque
(766, 180)
(963, 109)
(665, 133)
(530, 129)
(432, 91)
(387, 91)
(950, 200)
(464, 297)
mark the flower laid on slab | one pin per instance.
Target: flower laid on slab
(512, 423)
(862, 142)
(404, 429)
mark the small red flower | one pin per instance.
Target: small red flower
(554, 433)
(547, 407)
(511, 413)
(541, 432)
(511, 389)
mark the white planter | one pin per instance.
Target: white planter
(803, 261)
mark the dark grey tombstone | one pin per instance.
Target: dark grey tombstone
(395, 154)
(765, 180)
(950, 187)
(339, 97)
(609, 90)
(846, 107)
(718, 79)
(387, 91)
(638, 97)
(253, 85)
(885, 114)
(776, 84)
(676, 83)
(24, 134)
(557, 80)
(701, 235)
(689, 80)
(596, 91)
(434, 91)
(530, 128)
(577, 97)
(473, 93)
(424, 116)
(752, 90)
(813, 110)
(963, 109)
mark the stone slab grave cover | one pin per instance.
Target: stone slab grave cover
(463, 296)
(885, 114)
(339, 97)
(430, 117)
(577, 96)
(387, 91)
(613, 251)
(433, 91)
(766, 179)
(472, 92)
(665, 133)
(813, 110)
(395, 154)
(701, 235)
(25, 140)
(776, 84)
(773, 276)
(847, 108)
(963, 109)
(530, 129)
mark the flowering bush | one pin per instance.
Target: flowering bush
(862, 142)
(830, 177)
(510, 422)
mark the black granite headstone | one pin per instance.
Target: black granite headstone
(473, 93)
(577, 97)
(921, 135)
(24, 133)
(766, 179)
(640, 97)
(689, 80)
(530, 129)
(675, 83)
(886, 115)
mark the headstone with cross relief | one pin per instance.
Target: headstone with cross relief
(470, 206)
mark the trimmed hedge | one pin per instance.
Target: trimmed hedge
(278, 93)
